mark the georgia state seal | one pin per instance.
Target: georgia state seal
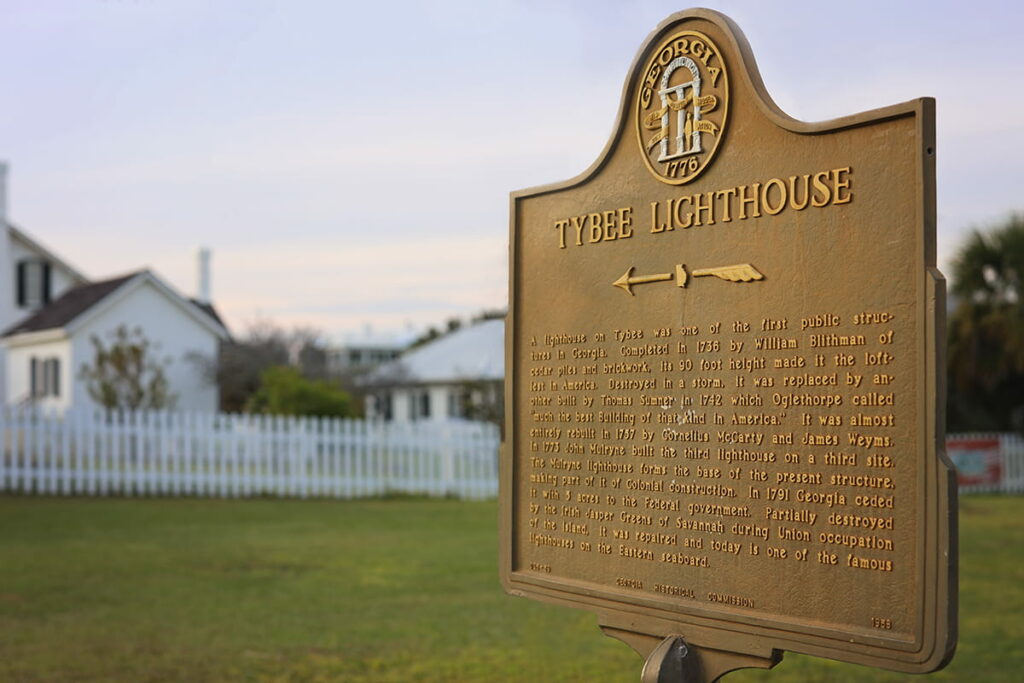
(681, 106)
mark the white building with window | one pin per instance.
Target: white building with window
(457, 375)
(31, 276)
(49, 311)
(46, 351)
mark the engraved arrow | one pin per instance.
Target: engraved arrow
(628, 279)
(742, 272)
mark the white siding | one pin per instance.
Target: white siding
(13, 250)
(400, 405)
(403, 399)
(8, 311)
(439, 403)
(19, 381)
(61, 278)
(173, 332)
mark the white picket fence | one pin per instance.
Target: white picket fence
(183, 454)
(1009, 472)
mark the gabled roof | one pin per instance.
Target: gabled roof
(77, 301)
(209, 310)
(68, 306)
(472, 353)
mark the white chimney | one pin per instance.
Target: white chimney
(203, 293)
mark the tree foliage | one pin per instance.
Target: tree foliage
(483, 400)
(125, 374)
(284, 391)
(986, 331)
(238, 370)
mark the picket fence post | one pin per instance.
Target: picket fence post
(447, 460)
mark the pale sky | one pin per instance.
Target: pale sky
(349, 164)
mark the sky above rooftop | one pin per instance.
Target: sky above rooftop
(349, 164)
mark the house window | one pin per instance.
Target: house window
(419, 405)
(382, 405)
(44, 377)
(460, 401)
(33, 286)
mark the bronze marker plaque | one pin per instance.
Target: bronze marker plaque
(724, 395)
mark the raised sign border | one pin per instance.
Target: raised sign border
(642, 626)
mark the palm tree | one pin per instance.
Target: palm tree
(986, 330)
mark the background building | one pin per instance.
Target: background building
(46, 351)
(360, 354)
(458, 375)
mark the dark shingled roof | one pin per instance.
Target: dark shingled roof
(79, 299)
(209, 310)
(69, 306)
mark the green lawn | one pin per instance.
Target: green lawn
(389, 590)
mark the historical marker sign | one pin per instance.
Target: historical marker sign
(724, 403)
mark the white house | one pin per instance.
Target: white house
(458, 372)
(46, 351)
(31, 276)
(49, 311)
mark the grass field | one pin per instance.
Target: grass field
(388, 590)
